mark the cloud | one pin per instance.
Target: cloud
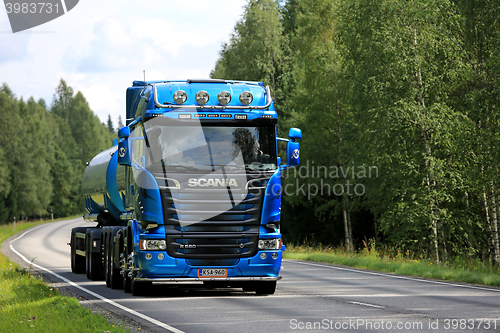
(100, 47)
(13, 47)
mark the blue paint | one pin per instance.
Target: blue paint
(141, 196)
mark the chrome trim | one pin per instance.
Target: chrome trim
(127, 216)
(79, 235)
(214, 107)
(90, 217)
(175, 181)
(230, 279)
(248, 187)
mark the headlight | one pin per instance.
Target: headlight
(224, 97)
(270, 244)
(180, 97)
(201, 97)
(246, 97)
(150, 244)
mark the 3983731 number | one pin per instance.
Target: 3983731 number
(469, 324)
(32, 8)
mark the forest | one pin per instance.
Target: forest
(397, 100)
(44, 151)
(408, 90)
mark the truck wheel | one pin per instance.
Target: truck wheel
(88, 252)
(95, 259)
(127, 283)
(265, 288)
(115, 279)
(139, 288)
(77, 261)
(105, 239)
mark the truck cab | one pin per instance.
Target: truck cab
(192, 191)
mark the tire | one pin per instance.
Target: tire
(139, 288)
(126, 281)
(77, 261)
(95, 260)
(105, 244)
(88, 252)
(248, 287)
(265, 288)
(115, 279)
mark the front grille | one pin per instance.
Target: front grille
(197, 205)
(205, 224)
(212, 262)
(220, 243)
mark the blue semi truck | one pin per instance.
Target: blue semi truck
(191, 192)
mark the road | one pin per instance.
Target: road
(312, 297)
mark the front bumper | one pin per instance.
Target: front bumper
(226, 279)
(174, 269)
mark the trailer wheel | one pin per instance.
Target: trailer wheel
(88, 252)
(265, 288)
(127, 283)
(105, 239)
(115, 280)
(77, 261)
(95, 259)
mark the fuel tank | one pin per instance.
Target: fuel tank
(104, 185)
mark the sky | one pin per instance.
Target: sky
(100, 47)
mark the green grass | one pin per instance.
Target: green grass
(458, 270)
(27, 304)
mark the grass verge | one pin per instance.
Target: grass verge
(459, 270)
(28, 304)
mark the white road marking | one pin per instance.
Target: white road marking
(102, 298)
(366, 304)
(392, 276)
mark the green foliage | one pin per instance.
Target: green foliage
(388, 261)
(409, 88)
(109, 125)
(27, 304)
(43, 154)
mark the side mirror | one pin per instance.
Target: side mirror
(124, 132)
(295, 134)
(292, 153)
(293, 147)
(124, 146)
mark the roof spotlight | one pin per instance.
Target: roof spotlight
(201, 97)
(224, 97)
(180, 97)
(246, 97)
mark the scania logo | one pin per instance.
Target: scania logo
(296, 154)
(203, 182)
(187, 246)
(122, 152)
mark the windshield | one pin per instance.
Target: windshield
(196, 147)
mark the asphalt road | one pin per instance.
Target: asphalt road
(312, 297)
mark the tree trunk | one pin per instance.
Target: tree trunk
(488, 221)
(431, 182)
(494, 236)
(347, 223)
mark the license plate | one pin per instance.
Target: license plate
(212, 272)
